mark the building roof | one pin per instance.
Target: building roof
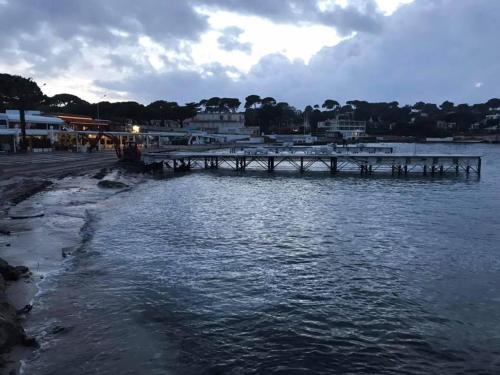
(82, 120)
(33, 117)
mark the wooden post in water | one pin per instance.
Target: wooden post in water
(406, 169)
(479, 167)
(425, 170)
(441, 170)
(301, 165)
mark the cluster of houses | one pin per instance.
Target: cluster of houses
(46, 132)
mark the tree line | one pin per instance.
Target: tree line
(267, 113)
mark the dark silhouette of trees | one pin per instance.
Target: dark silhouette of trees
(447, 106)
(268, 101)
(493, 103)
(163, 110)
(330, 104)
(232, 104)
(251, 101)
(217, 104)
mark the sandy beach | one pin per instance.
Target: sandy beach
(42, 222)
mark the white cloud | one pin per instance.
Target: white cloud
(388, 7)
(266, 37)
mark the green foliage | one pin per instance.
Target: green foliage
(19, 92)
(252, 100)
(330, 104)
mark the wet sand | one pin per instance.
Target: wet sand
(46, 231)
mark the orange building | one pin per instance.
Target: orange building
(84, 123)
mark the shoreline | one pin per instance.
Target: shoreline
(51, 214)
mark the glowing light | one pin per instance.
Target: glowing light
(136, 129)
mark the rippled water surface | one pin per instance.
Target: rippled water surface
(252, 274)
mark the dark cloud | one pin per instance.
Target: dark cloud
(364, 18)
(358, 16)
(430, 50)
(95, 18)
(229, 40)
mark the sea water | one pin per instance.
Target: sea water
(220, 273)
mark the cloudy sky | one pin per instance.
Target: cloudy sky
(299, 51)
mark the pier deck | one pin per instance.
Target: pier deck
(363, 163)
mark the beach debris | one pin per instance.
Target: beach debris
(25, 310)
(101, 174)
(27, 215)
(30, 342)
(11, 330)
(60, 329)
(24, 189)
(109, 184)
(26, 211)
(11, 273)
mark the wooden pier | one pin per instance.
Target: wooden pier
(338, 149)
(361, 163)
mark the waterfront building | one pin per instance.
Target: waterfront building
(295, 139)
(41, 130)
(84, 123)
(343, 126)
(220, 123)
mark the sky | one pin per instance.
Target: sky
(298, 51)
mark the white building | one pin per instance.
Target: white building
(219, 123)
(343, 125)
(41, 131)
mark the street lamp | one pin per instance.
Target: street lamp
(98, 117)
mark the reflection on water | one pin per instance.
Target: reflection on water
(257, 274)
